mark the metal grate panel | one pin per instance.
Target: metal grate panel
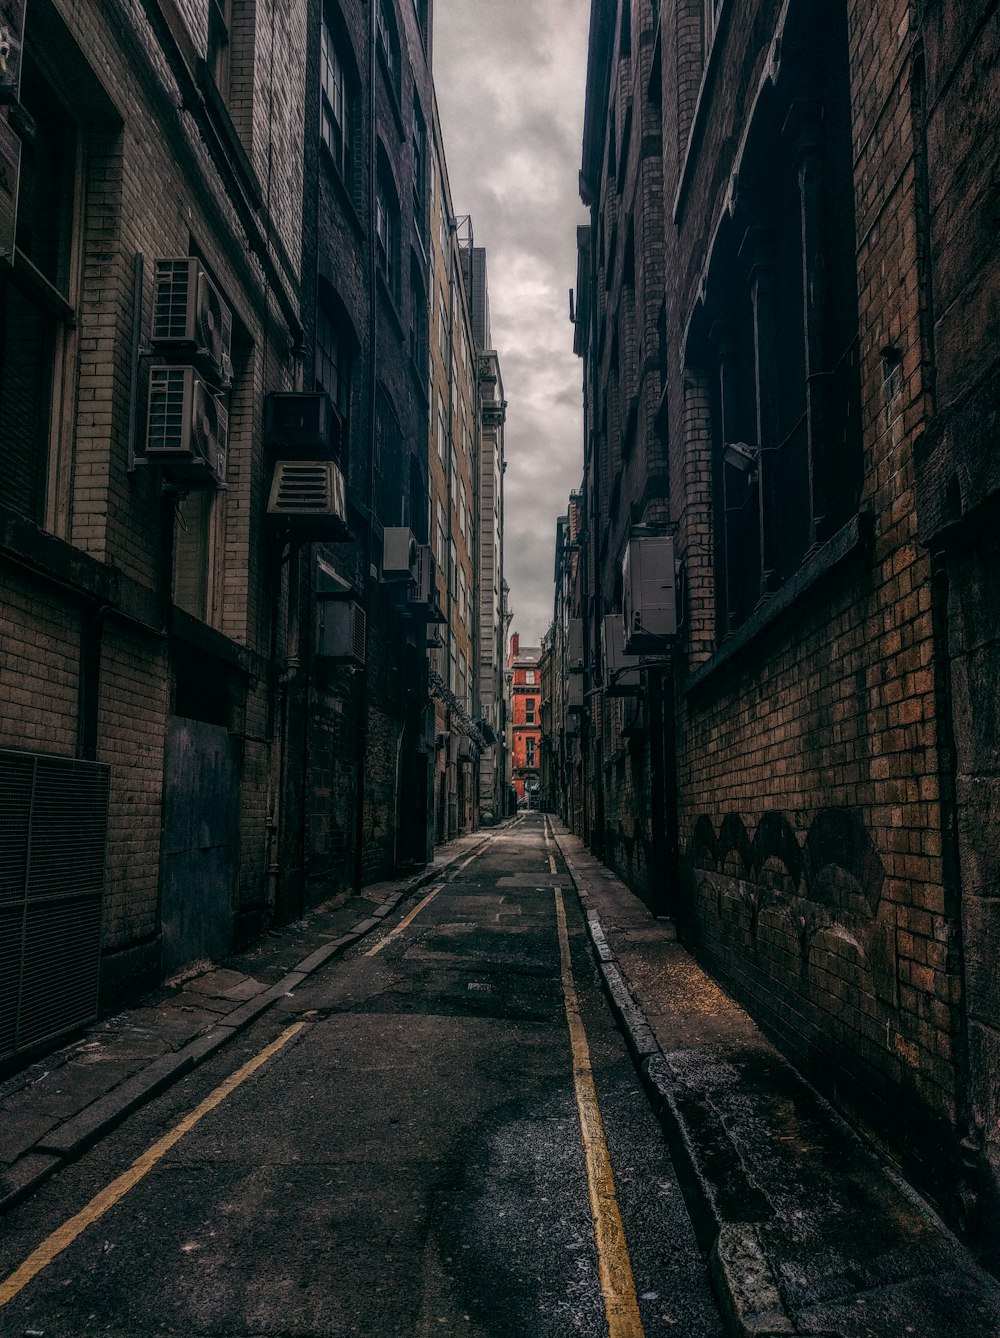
(175, 284)
(53, 833)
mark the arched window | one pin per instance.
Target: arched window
(388, 45)
(387, 231)
(338, 97)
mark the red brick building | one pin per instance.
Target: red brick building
(525, 686)
(786, 312)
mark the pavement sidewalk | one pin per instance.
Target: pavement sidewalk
(51, 1112)
(807, 1231)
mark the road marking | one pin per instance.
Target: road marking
(408, 919)
(613, 1263)
(548, 847)
(65, 1235)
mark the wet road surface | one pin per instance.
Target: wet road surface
(407, 1159)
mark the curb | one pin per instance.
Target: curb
(69, 1140)
(742, 1280)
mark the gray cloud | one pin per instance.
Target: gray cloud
(510, 85)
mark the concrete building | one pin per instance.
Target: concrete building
(525, 688)
(785, 443)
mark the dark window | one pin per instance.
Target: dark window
(218, 43)
(34, 295)
(388, 44)
(419, 169)
(387, 234)
(333, 357)
(625, 39)
(335, 127)
(392, 499)
(419, 317)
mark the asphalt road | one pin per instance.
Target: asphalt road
(408, 1160)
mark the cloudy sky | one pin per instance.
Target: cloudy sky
(510, 84)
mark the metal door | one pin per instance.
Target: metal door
(200, 861)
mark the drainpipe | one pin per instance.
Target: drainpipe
(367, 584)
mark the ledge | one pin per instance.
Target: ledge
(851, 540)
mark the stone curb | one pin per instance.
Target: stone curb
(742, 1281)
(74, 1136)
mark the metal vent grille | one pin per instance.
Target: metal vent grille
(307, 488)
(169, 410)
(175, 284)
(53, 833)
(360, 626)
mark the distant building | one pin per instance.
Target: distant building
(523, 663)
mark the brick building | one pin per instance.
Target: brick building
(453, 451)
(525, 688)
(786, 312)
(214, 314)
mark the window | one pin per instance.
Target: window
(36, 314)
(710, 21)
(335, 128)
(529, 676)
(442, 327)
(418, 318)
(194, 561)
(529, 710)
(442, 538)
(529, 752)
(463, 511)
(453, 475)
(391, 498)
(218, 44)
(442, 430)
(388, 44)
(387, 232)
(453, 569)
(419, 140)
(463, 594)
(332, 361)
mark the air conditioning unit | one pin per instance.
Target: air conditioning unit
(421, 597)
(574, 693)
(187, 427)
(466, 748)
(301, 425)
(189, 314)
(621, 672)
(649, 597)
(340, 631)
(574, 643)
(307, 488)
(399, 554)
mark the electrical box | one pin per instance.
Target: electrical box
(649, 594)
(400, 554)
(340, 631)
(621, 671)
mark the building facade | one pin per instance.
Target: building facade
(791, 758)
(215, 297)
(454, 478)
(525, 687)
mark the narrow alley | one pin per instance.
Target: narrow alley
(406, 1161)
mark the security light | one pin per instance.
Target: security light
(741, 456)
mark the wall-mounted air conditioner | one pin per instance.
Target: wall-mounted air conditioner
(649, 598)
(421, 597)
(466, 748)
(187, 428)
(574, 643)
(190, 316)
(621, 672)
(574, 692)
(399, 554)
(341, 631)
(301, 425)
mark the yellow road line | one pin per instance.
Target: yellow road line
(613, 1263)
(408, 919)
(65, 1235)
